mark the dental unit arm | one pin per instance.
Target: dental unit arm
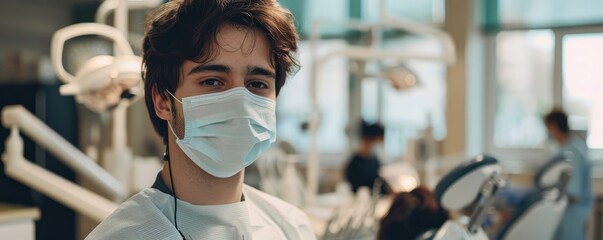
(17, 167)
(109, 6)
(17, 117)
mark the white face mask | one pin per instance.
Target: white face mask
(227, 131)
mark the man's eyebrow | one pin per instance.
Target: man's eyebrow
(209, 68)
(253, 70)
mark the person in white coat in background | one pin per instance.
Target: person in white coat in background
(212, 71)
(580, 187)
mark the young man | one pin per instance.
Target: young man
(213, 69)
(579, 188)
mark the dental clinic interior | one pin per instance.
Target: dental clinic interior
(405, 119)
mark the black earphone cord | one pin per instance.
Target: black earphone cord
(166, 157)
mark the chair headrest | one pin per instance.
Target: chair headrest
(461, 186)
(534, 210)
(549, 175)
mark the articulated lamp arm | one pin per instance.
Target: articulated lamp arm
(50, 184)
(17, 117)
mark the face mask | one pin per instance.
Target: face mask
(227, 131)
(379, 150)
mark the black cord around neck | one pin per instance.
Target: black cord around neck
(166, 157)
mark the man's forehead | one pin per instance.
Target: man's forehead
(232, 37)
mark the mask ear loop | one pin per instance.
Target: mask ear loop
(166, 157)
(175, 98)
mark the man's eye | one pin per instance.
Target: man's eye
(257, 85)
(211, 82)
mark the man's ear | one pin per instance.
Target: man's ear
(163, 107)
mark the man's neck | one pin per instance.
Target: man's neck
(198, 187)
(562, 139)
(365, 149)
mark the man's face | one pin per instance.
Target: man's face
(243, 60)
(552, 128)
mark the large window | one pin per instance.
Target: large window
(583, 84)
(425, 11)
(536, 70)
(332, 11)
(293, 108)
(549, 13)
(524, 84)
(407, 113)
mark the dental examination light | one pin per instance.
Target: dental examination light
(103, 81)
(399, 77)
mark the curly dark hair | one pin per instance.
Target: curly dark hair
(182, 30)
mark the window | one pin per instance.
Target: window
(293, 108)
(524, 87)
(542, 54)
(549, 13)
(582, 89)
(428, 12)
(326, 11)
(408, 112)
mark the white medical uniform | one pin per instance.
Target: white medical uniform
(150, 215)
(580, 186)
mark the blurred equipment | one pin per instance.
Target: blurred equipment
(472, 187)
(102, 81)
(354, 219)
(540, 211)
(16, 117)
(400, 177)
(105, 78)
(475, 181)
(279, 176)
(17, 222)
(399, 76)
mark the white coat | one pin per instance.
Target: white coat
(149, 215)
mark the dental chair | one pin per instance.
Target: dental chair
(473, 183)
(540, 211)
(477, 182)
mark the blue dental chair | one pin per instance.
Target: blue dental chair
(472, 183)
(476, 183)
(540, 211)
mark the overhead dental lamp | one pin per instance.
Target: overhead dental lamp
(102, 81)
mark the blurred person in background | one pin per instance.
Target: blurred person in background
(363, 168)
(579, 188)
